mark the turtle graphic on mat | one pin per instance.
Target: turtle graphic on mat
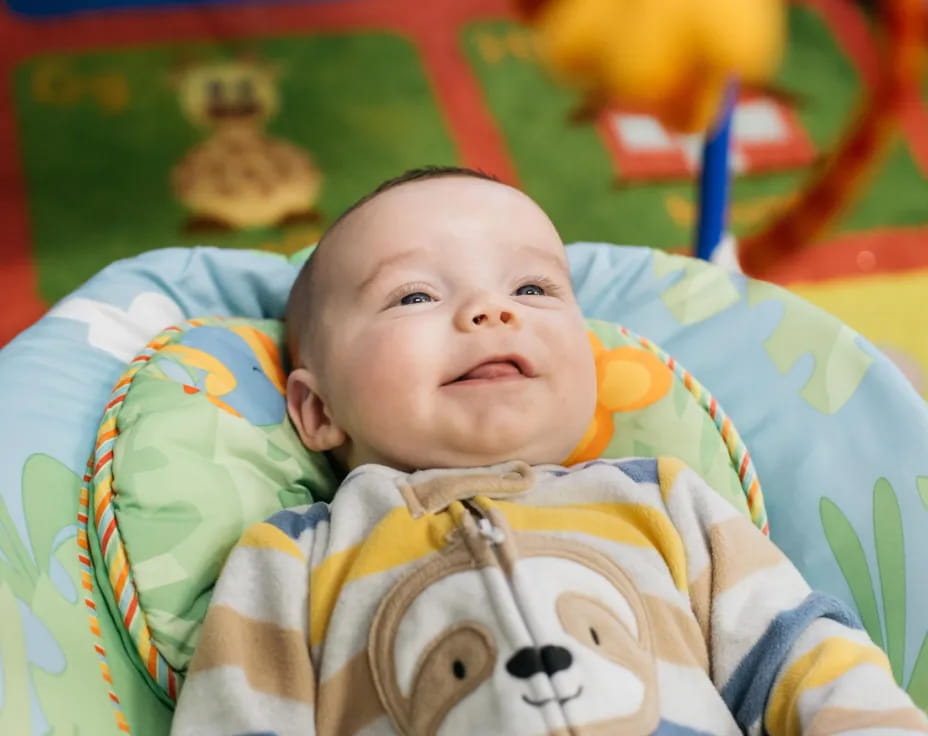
(240, 177)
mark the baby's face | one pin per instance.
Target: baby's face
(450, 330)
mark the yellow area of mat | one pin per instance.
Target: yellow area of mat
(890, 310)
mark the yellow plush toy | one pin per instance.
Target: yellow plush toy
(670, 58)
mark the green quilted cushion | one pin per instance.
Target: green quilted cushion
(200, 448)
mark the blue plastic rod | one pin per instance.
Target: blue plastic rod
(714, 180)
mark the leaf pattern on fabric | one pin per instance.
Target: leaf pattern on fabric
(840, 363)
(889, 544)
(43, 648)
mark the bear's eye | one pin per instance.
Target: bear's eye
(594, 636)
(459, 670)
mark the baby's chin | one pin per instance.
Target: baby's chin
(467, 457)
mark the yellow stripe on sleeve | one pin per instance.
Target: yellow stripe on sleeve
(668, 468)
(268, 536)
(822, 664)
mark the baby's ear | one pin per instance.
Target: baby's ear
(309, 413)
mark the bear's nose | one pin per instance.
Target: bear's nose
(531, 660)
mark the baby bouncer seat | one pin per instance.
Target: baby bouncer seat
(106, 568)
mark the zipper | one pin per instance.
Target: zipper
(494, 537)
(486, 528)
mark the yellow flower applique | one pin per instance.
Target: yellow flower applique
(627, 378)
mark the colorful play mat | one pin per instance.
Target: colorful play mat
(133, 125)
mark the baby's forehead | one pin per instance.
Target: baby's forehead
(407, 203)
(440, 218)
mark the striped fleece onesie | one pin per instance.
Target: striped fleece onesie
(614, 597)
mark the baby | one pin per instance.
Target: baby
(461, 582)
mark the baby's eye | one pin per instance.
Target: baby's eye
(530, 290)
(417, 297)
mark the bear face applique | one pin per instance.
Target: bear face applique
(550, 636)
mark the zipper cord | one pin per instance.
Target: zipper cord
(492, 533)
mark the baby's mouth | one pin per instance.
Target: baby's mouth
(496, 368)
(490, 371)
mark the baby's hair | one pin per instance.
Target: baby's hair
(302, 302)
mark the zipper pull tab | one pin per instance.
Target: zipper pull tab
(494, 534)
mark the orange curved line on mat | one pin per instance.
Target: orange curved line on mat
(222, 405)
(265, 350)
(219, 379)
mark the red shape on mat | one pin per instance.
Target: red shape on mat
(849, 26)
(767, 135)
(20, 304)
(887, 250)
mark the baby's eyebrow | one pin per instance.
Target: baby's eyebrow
(385, 264)
(542, 253)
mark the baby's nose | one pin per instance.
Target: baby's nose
(486, 311)
(493, 316)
